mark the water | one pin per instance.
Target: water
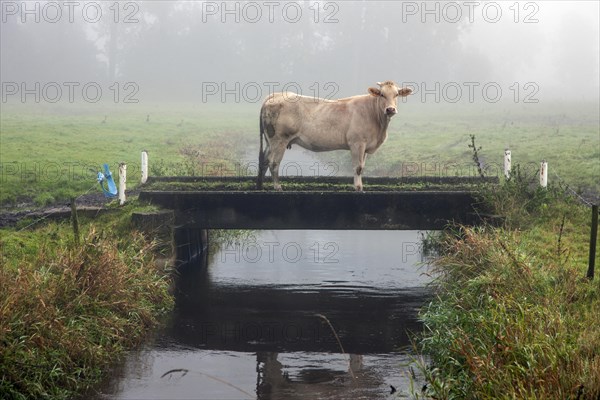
(254, 321)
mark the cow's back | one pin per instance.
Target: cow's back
(290, 111)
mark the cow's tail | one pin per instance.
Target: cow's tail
(261, 154)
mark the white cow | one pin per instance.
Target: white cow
(357, 123)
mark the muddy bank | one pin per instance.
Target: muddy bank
(90, 205)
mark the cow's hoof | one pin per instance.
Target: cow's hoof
(359, 188)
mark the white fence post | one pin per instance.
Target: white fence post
(507, 162)
(544, 174)
(122, 182)
(144, 166)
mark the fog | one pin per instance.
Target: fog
(231, 52)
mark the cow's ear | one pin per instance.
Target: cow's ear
(404, 92)
(374, 92)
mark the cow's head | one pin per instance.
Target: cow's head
(389, 92)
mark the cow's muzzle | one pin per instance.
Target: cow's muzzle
(390, 111)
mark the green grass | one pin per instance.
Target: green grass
(68, 311)
(49, 153)
(435, 142)
(514, 316)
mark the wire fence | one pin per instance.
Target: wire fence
(55, 211)
(573, 192)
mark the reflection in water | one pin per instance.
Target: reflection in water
(247, 324)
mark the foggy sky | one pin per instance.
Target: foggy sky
(196, 51)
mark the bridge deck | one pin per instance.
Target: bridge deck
(241, 208)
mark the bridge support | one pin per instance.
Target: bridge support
(190, 244)
(182, 243)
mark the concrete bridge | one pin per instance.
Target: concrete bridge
(201, 203)
(385, 207)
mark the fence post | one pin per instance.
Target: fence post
(74, 220)
(122, 182)
(544, 174)
(144, 166)
(593, 239)
(507, 162)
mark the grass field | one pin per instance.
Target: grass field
(49, 152)
(49, 155)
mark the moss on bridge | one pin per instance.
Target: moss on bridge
(317, 184)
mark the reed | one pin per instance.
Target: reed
(67, 311)
(514, 316)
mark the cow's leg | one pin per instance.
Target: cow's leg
(275, 156)
(265, 161)
(358, 164)
(262, 166)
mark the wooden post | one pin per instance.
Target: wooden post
(593, 239)
(544, 174)
(122, 182)
(507, 163)
(144, 166)
(75, 220)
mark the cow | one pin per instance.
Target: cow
(357, 123)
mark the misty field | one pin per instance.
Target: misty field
(51, 153)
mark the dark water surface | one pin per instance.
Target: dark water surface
(252, 321)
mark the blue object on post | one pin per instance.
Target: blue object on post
(111, 189)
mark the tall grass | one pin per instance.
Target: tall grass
(515, 316)
(68, 311)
